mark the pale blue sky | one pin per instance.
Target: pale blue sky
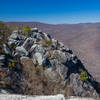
(50, 11)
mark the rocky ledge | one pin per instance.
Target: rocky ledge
(40, 65)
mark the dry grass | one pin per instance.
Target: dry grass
(40, 84)
(32, 78)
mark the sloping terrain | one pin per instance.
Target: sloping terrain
(82, 38)
(38, 64)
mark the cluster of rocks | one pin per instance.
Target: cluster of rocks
(59, 64)
(10, 75)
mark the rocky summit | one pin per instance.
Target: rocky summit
(37, 64)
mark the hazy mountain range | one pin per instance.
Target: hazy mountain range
(84, 39)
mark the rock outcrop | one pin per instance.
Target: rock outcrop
(41, 65)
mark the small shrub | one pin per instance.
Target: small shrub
(27, 30)
(83, 76)
(3, 28)
(12, 64)
(48, 42)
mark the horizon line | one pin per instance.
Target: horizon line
(49, 23)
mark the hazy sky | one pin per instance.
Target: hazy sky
(50, 11)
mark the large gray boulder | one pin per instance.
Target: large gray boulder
(37, 48)
(38, 57)
(52, 75)
(37, 53)
(16, 39)
(37, 36)
(59, 67)
(54, 44)
(14, 36)
(21, 51)
(28, 43)
(60, 56)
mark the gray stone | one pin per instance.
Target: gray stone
(38, 58)
(34, 29)
(12, 42)
(60, 56)
(6, 49)
(2, 59)
(59, 67)
(47, 37)
(14, 36)
(52, 75)
(3, 91)
(28, 43)
(16, 39)
(54, 44)
(47, 55)
(37, 36)
(37, 48)
(81, 88)
(21, 51)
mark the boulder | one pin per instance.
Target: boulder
(4, 91)
(12, 42)
(54, 44)
(21, 51)
(47, 37)
(34, 29)
(59, 67)
(52, 75)
(37, 57)
(7, 49)
(60, 56)
(37, 36)
(28, 43)
(14, 36)
(2, 60)
(37, 49)
(16, 39)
